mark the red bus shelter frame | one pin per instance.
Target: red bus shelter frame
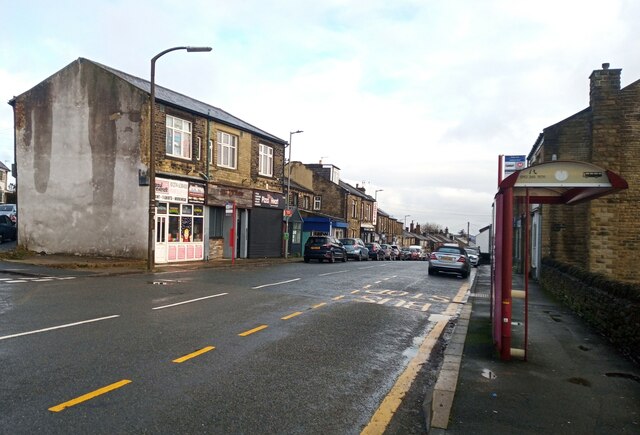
(557, 182)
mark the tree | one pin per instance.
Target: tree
(431, 228)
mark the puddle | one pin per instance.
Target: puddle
(580, 381)
(488, 374)
(624, 375)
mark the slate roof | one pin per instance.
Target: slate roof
(188, 103)
(353, 191)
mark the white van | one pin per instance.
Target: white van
(9, 210)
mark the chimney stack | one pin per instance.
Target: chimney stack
(605, 84)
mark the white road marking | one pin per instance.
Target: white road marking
(333, 273)
(59, 327)
(189, 301)
(275, 283)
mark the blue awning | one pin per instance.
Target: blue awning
(316, 224)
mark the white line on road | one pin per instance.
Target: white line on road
(59, 327)
(333, 273)
(275, 283)
(189, 301)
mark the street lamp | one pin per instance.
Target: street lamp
(376, 194)
(286, 244)
(152, 167)
(405, 220)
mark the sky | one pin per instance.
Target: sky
(415, 99)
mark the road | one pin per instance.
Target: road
(287, 348)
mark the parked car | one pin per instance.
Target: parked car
(8, 230)
(395, 252)
(324, 248)
(417, 253)
(474, 255)
(355, 248)
(448, 258)
(388, 252)
(405, 253)
(375, 251)
(9, 210)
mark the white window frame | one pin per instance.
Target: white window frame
(198, 148)
(317, 202)
(178, 137)
(210, 151)
(227, 150)
(265, 167)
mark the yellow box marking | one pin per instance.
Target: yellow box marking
(252, 331)
(89, 396)
(194, 354)
(291, 316)
(319, 305)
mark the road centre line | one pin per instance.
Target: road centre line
(319, 305)
(333, 273)
(291, 316)
(68, 325)
(253, 331)
(337, 298)
(189, 301)
(193, 354)
(89, 396)
(275, 283)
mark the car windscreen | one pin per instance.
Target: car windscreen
(348, 241)
(450, 250)
(317, 240)
(6, 208)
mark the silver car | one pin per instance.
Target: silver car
(449, 258)
(474, 255)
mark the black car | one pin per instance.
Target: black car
(324, 248)
(375, 251)
(8, 230)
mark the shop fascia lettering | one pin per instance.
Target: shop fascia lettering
(172, 190)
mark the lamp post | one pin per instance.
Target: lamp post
(375, 194)
(152, 167)
(286, 231)
(405, 220)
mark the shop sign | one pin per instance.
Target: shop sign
(196, 193)
(172, 190)
(268, 199)
(220, 195)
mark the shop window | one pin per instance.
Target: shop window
(216, 220)
(296, 232)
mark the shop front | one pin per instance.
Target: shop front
(228, 221)
(265, 225)
(321, 226)
(179, 220)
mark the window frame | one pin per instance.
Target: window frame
(317, 202)
(186, 135)
(265, 160)
(227, 150)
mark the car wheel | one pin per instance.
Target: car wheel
(344, 257)
(464, 274)
(332, 258)
(431, 271)
(359, 257)
(306, 259)
(320, 260)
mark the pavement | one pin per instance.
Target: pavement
(573, 380)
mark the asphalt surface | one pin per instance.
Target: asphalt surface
(324, 370)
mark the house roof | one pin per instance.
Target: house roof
(353, 191)
(176, 99)
(3, 167)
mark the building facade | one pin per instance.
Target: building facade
(82, 158)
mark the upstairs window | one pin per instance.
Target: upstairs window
(317, 202)
(227, 150)
(178, 138)
(266, 161)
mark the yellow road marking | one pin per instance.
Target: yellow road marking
(389, 405)
(319, 305)
(337, 298)
(292, 315)
(89, 396)
(355, 291)
(251, 331)
(194, 354)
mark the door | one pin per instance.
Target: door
(161, 239)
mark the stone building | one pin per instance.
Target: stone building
(82, 158)
(600, 236)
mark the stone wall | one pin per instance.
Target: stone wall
(612, 307)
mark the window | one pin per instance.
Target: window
(354, 209)
(210, 151)
(306, 202)
(178, 137)
(227, 150)
(216, 220)
(317, 202)
(266, 161)
(198, 148)
(296, 231)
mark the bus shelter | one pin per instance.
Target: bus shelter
(556, 182)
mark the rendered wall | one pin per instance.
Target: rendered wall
(78, 138)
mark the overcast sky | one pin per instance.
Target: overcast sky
(414, 97)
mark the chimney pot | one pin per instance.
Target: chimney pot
(605, 65)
